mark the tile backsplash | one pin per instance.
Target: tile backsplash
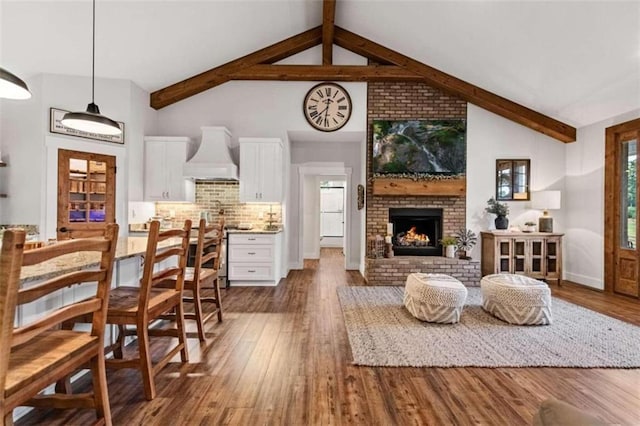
(214, 197)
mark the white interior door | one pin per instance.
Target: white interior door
(331, 212)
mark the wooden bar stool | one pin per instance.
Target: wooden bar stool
(35, 355)
(143, 305)
(204, 275)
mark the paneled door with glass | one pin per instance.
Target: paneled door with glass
(622, 257)
(86, 193)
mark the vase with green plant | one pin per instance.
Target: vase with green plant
(466, 239)
(501, 210)
(449, 244)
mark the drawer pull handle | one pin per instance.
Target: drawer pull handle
(251, 239)
(251, 270)
(251, 253)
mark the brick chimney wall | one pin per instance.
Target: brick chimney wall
(410, 101)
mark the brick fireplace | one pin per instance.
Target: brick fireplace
(416, 231)
(404, 101)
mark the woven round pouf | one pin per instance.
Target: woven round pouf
(434, 297)
(516, 299)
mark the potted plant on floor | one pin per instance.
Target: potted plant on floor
(501, 210)
(465, 240)
(449, 244)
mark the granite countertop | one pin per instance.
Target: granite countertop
(127, 247)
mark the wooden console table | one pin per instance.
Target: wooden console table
(534, 254)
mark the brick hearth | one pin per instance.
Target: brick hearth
(394, 271)
(405, 101)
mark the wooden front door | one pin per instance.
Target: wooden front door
(86, 193)
(622, 256)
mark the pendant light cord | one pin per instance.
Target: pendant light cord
(93, 55)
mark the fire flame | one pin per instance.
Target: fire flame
(412, 235)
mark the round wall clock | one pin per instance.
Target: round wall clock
(327, 107)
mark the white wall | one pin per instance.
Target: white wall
(584, 203)
(490, 137)
(311, 217)
(25, 129)
(22, 145)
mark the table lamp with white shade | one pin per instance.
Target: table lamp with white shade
(545, 200)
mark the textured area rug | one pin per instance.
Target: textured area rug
(383, 333)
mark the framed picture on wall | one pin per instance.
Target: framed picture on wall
(56, 126)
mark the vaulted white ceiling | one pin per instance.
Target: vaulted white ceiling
(577, 61)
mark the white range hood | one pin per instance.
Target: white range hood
(212, 160)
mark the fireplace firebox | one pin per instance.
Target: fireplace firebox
(416, 231)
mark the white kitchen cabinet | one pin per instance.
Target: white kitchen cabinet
(164, 160)
(254, 259)
(261, 176)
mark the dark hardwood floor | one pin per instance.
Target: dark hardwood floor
(281, 357)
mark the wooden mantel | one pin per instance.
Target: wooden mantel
(420, 188)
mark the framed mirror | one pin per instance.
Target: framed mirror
(512, 180)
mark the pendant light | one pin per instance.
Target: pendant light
(12, 87)
(91, 120)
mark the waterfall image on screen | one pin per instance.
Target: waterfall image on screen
(419, 146)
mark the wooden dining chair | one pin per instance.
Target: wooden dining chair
(204, 275)
(34, 355)
(141, 306)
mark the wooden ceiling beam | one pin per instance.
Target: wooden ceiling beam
(219, 75)
(448, 83)
(326, 72)
(328, 20)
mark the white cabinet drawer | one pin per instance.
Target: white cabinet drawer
(251, 238)
(243, 271)
(251, 254)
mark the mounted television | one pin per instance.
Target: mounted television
(422, 147)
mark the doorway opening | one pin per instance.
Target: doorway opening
(332, 202)
(321, 220)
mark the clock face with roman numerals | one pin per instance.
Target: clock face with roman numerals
(327, 107)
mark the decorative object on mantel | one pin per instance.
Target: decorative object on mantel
(91, 121)
(415, 176)
(529, 227)
(360, 197)
(375, 247)
(449, 244)
(546, 200)
(12, 87)
(501, 210)
(466, 239)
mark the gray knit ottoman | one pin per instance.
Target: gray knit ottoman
(516, 299)
(434, 297)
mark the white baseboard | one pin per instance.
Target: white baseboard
(296, 266)
(240, 283)
(353, 266)
(331, 242)
(584, 280)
